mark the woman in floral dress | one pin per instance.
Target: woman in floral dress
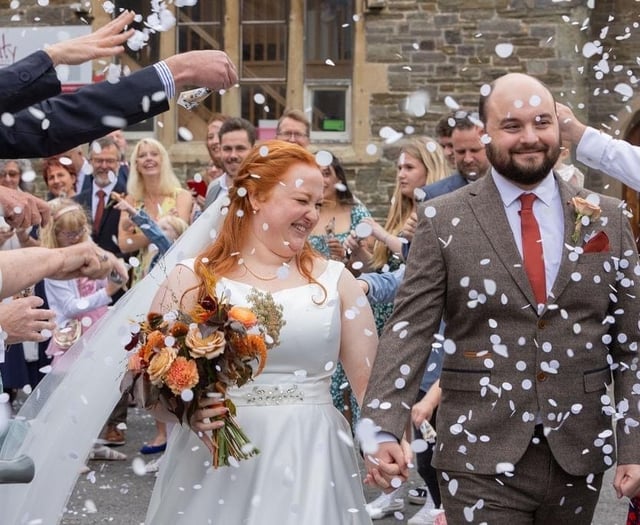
(341, 212)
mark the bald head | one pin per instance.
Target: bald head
(520, 120)
(518, 88)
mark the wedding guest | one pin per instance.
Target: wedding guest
(293, 126)
(306, 471)
(237, 137)
(341, 212)
(78, 303)
(153, 187)
(60, 177)
(420, 161)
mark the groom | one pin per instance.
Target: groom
(541, 317)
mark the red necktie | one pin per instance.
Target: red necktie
(532, 248)
(97, 218)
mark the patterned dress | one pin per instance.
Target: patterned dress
(339, 381)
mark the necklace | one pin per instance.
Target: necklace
(285, 264)
(259, 276)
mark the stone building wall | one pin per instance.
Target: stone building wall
(448, 49)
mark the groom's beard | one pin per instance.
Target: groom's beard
(528, 172)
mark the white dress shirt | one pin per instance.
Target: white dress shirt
(547, 209)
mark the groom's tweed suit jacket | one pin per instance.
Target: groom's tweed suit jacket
(506, 364)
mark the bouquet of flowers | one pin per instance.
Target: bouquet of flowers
(183, 356)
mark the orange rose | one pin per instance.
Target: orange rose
(160, 364)
(209, 347)
(583, 208)
(182, 375)
(243, 315)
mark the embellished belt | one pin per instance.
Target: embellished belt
(280, 394)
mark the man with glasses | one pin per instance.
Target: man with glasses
(294, 127)
(105, 160)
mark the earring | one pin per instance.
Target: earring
(254, 211)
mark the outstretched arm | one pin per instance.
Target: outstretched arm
(25, 266)
(617, 158)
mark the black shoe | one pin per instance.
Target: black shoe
(418, 495)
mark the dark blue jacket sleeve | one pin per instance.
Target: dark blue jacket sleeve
(27, 82)
(76, 118)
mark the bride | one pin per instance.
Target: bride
(307, 470)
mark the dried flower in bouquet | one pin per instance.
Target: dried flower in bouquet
(182, 357)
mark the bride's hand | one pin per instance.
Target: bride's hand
(208, 415)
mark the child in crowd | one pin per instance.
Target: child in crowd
(78, 303)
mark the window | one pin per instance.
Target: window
(328, 109)
(263, 68)
(199, 27)
(328, 67)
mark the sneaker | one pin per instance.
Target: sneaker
(385, 504)
(153, 465)
(418, 496)
(106, 453)
(112, 437)
(425, 516)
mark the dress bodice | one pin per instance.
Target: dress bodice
(310, 339)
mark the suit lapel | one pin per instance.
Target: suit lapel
(483, 199)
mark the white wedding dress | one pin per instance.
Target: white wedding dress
(306, 471)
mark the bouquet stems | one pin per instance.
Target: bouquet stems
(230, 441)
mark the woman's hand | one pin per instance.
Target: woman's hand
(409, 227)
(421, 411)
(209, 414)
(336, 250)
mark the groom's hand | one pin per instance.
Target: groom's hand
(387, 467)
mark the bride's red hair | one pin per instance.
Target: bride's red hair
(258, 175)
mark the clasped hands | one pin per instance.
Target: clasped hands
(388, 468)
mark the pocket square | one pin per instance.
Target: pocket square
(599, 243)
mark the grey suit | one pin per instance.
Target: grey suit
(504, 363)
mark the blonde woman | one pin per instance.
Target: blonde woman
(153, 187)
(421, 162)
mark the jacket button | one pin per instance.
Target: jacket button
(541, 323)
(25, 76)
(541, 376)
